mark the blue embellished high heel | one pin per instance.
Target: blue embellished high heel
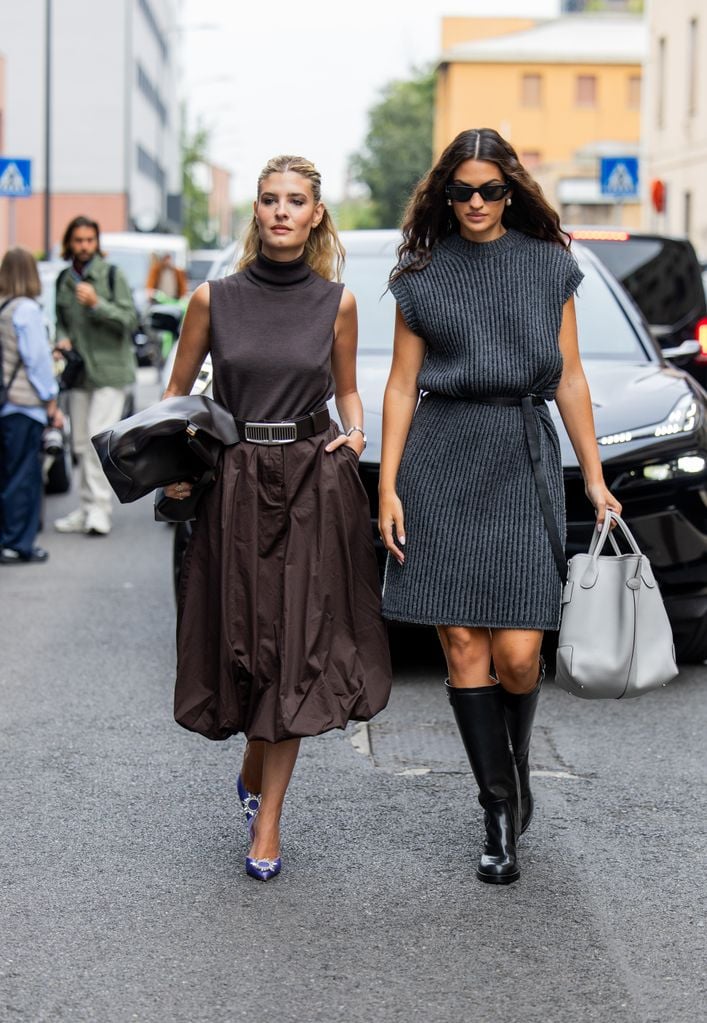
(250, 801)
(262, 870)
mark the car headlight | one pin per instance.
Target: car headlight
(691, 465)
(684, 418)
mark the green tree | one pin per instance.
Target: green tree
(196, 224)
(397, 150)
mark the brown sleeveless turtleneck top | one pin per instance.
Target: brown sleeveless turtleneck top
(272, 328)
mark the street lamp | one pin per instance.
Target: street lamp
(47, 127)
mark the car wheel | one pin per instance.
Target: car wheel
(182, 535)
(58, 475)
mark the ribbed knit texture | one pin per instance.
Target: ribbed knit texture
(477, 551)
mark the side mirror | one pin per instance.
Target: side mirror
(686, 350)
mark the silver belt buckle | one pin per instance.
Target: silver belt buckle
(270, 433)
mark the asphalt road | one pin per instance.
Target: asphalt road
(123, 891)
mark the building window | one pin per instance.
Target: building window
(151, 20)
(586, 94)
(692, 67)
(660, 83)
(531, 90)
(150, 167)
(634, 92)
(151, 93)
(530, 158)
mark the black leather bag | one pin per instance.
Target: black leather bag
(72, 375)
(177, 439)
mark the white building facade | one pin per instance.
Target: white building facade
(114, 114)
(675, 119)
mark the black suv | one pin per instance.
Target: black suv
(664, 278)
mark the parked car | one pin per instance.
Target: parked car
(199, 263)
(132, 251)
(224, 262)
(650, 419)
(664, 278)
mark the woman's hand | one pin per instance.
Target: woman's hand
(178, 491)
(354, 441)
(602, 498)
(390, 517)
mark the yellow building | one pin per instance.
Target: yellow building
(563, 92)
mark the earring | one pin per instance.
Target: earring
(449, 202)
(508, 202)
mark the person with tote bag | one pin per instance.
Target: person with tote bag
(471, 487)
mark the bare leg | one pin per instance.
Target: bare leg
(278, 764)
(252, 769)
(516, 658)
(468, 654)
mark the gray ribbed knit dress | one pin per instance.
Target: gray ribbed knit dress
(477, 551)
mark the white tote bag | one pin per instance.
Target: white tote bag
(615, 639)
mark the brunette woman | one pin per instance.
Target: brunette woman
(30, 392)
(279, 627)
(471, 489)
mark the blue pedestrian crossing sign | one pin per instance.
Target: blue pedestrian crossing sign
(15, 177)
(619, 177)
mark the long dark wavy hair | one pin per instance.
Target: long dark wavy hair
(428, 218)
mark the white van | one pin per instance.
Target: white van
(132, 251)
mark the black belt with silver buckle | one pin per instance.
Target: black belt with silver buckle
(284, 432)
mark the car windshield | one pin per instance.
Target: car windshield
(661, 275)
(604, 331)
(134, 264)
(199, 268)
(367, 277)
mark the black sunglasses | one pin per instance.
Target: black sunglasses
(489, 192)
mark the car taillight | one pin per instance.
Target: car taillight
(701, 335)
(600, 236)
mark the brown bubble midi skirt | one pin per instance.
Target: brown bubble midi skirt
(279, 631)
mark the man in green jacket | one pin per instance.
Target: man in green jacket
(95, 314)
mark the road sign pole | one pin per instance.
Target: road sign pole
(11, 223)
(48, 130)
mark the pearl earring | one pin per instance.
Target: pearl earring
(508, 202)
(449, 202)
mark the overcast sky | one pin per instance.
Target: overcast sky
(278, 76)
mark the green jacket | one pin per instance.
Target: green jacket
(103, 336)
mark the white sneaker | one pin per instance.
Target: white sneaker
(97, 523)
(74, 522)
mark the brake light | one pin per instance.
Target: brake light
(701, 335)
(600, 236)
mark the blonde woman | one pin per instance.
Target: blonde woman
(279, 627)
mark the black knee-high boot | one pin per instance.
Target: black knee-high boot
(520, 715)
(481, 722)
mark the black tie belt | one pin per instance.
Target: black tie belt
(532, 435)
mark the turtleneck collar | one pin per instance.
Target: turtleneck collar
(483, 250)
(278, 274)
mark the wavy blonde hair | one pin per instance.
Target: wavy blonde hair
(323, 250)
